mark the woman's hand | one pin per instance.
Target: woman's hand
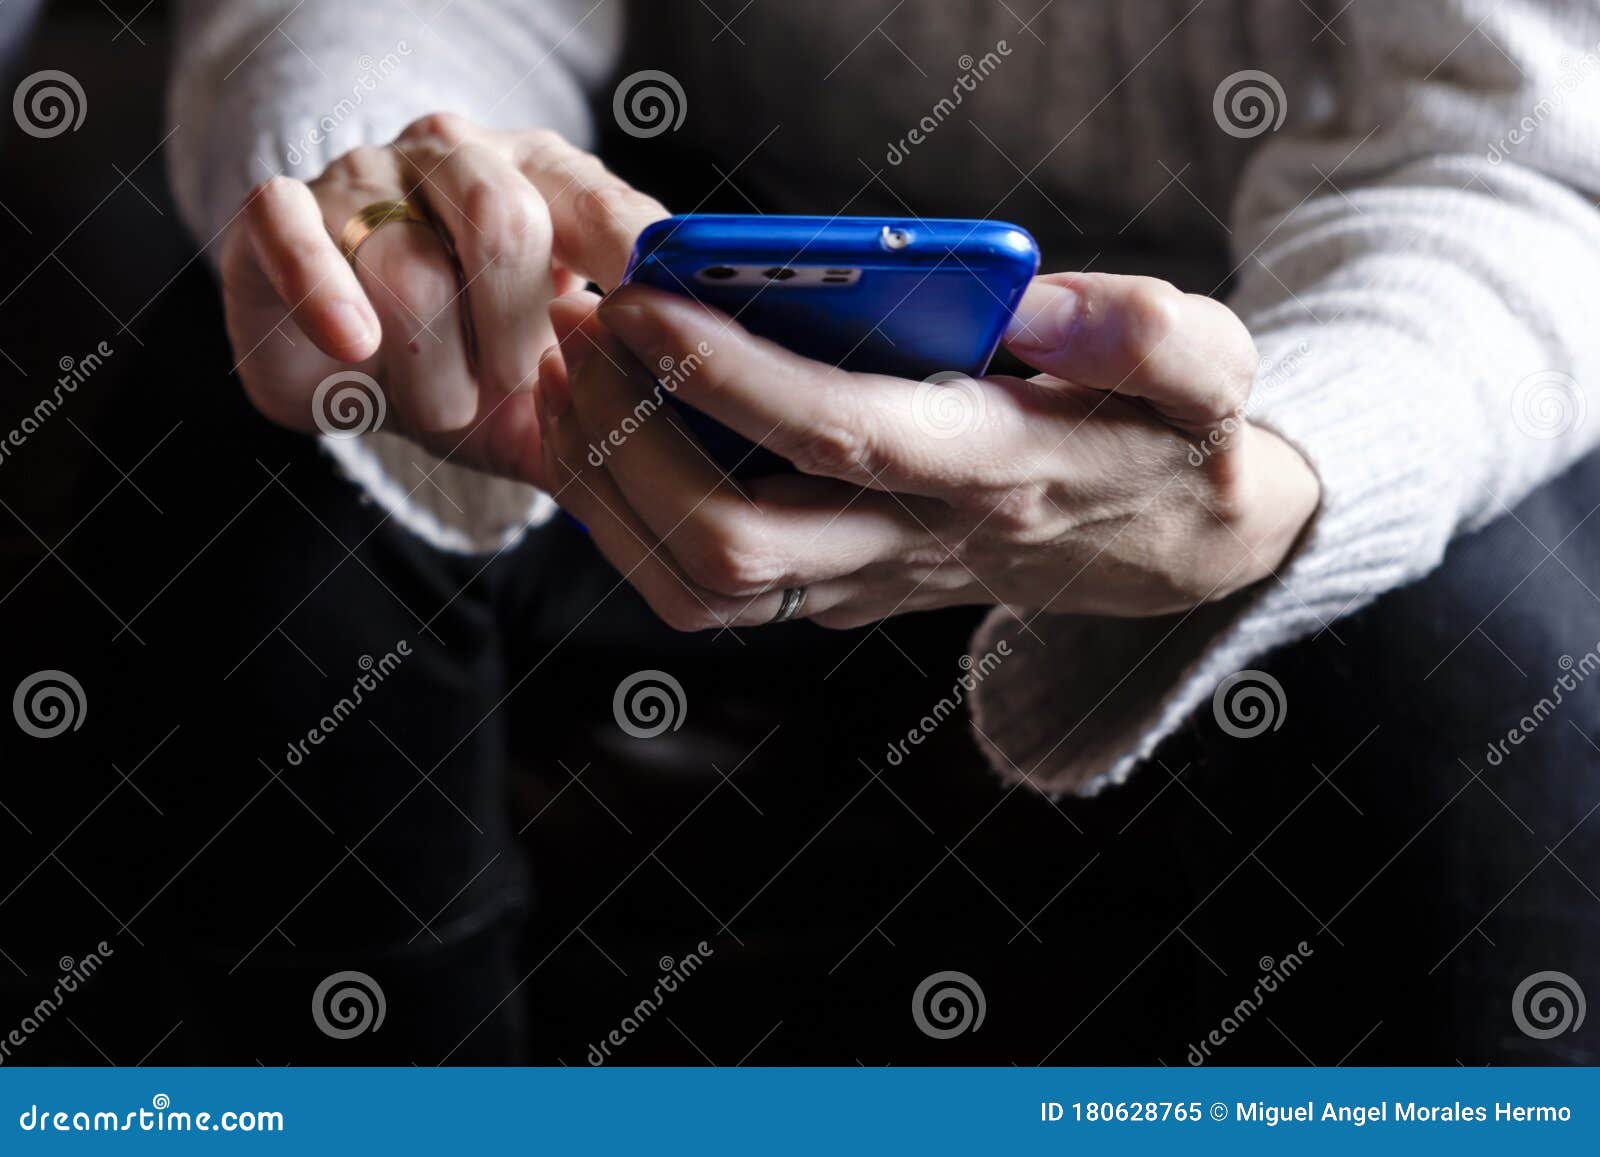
(454, 342)
(1120, 481)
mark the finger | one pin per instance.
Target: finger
(412, 281)
(1189, 356)
(304, 266)
(593, 497)
(801, 531)
(500, 231)
(873, 431)
(596, 215)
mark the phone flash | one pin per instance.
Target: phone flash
(895, 238)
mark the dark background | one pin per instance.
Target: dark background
(1115, 930)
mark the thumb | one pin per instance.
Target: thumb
(1190, 357)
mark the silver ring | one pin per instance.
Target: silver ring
(793, 599)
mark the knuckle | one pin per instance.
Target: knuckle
(503, 221)
(1151, 316)
(833, 450)
(730, 559)
(544, 140)
(364, 164)
(608, 207)
(302, 254)
(274, 191)
(1023, 513)
(269, 199)
(444, 127)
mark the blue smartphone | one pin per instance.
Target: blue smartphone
(907, 297)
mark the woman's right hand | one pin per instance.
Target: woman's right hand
(453, 342)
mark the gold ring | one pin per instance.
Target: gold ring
(368, 219)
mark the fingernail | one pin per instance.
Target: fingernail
(350, 324)
(639, 329)
(1044, 319)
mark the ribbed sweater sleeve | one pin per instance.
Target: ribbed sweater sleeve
(1418, 275)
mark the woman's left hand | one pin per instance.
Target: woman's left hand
(1122, 480)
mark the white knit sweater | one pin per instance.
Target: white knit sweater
(1415, 247)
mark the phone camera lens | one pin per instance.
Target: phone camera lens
(719, 272)
(778, 273)
(894, 239)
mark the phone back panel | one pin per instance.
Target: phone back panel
(907, 297)
(939, 303)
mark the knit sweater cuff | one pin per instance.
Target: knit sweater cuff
(448, 506)
(1083, 701)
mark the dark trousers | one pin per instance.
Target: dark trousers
(478, 837)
